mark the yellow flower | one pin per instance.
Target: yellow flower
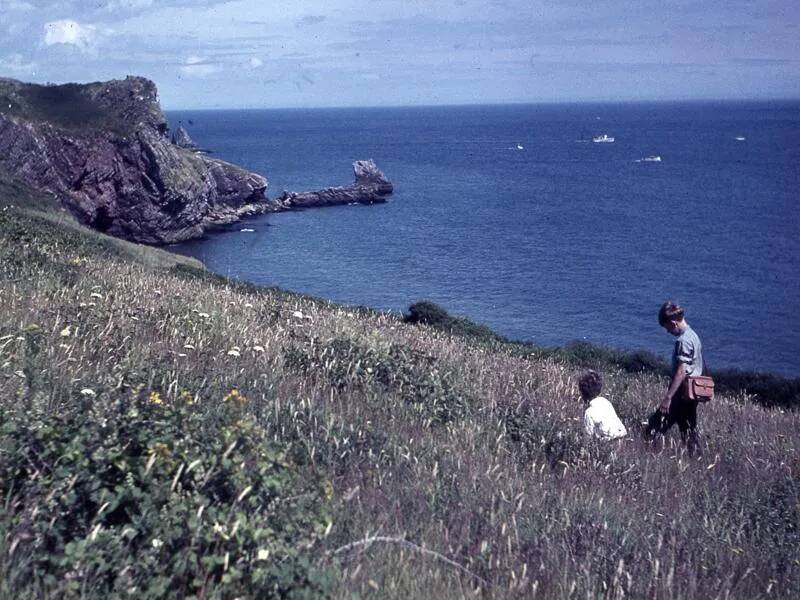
(235, 396)
(186, 397)
(327, 489)
(155, 398)
(160, 449)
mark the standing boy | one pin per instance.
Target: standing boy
(687, 361)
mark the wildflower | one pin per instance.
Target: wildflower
(203, 315)
(188, 347)
(160, 450)
(155, 398)
(327, 489)
(263, 554)
(235, 396)
(297, 314)
(66, 332)
(258, 348)
(234, 351)
(248, 305)
(88, 392)
(157, 543)
(95, 295)
(186, 397)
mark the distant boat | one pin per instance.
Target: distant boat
(519, 147)
(653, 158)
(246, 230)
(740, 138)
(603, 139)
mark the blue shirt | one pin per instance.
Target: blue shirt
(688, 351)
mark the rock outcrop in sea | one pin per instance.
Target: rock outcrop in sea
(181, 138)
(103, 149)
(370, 186)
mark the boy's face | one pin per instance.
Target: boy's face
(672, 327)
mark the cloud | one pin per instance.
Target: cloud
(309, 20)
(14, 5)
(196, 66)
(69, 32)
(16, 63)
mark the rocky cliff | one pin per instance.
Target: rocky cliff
(104, 151)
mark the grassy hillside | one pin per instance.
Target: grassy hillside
(166, 429)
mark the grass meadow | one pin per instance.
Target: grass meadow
(169, 432)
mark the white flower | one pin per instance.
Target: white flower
(263, 554)
(188, 347)
(233, 352)
(258, 348)
(297, 314)
(157, 543)
(95, 295)
(248, 305)
(203, 315)
(66, 332)
(88, 392)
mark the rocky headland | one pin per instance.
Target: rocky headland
(105, 152)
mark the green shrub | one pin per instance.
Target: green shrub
(428, 313)
(126, 494)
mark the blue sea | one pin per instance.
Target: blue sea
(502, 215)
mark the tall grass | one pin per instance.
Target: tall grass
(448, 467)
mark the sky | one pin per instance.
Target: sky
(326, 53)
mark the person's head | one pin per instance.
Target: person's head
(670, 317)
(590, 384)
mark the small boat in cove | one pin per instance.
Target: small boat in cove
(603, 139)
(653, 158)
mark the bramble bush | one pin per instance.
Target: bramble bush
(125, 493)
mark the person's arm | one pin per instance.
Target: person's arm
(677, 379)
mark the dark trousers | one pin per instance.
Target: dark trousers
(683, 412)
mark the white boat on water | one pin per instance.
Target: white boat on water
(519, 147)
(653, 158)
(603, 139)
(740, 138)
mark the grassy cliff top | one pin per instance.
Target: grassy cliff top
(415, 463)
(116, 105)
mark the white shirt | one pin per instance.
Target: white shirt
(601, 420)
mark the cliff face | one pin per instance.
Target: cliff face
(103, 149)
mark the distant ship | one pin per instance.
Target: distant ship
(653, 158)
(739, 138)
(602, 139)
(519, 147)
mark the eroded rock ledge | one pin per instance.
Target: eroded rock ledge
(370, 186)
